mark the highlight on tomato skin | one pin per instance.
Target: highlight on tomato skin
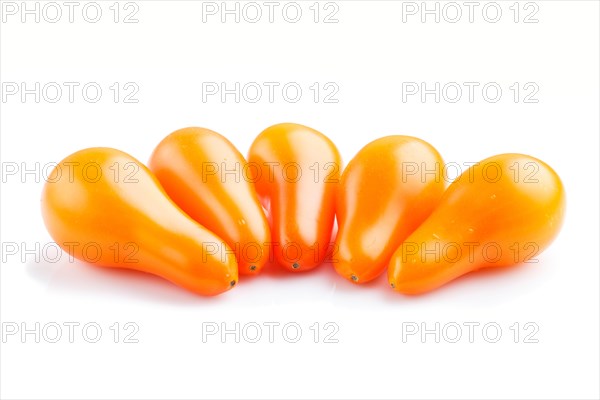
(296, 176)
(503, 211)
(386, 191)
(208, 178)
(105, 199)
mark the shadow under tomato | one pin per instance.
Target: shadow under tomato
(492, 285)
(90, 280)
(275, 283)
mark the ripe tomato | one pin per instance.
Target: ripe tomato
(499, 212)
(104, 207)
(210, 180)
(386, 191)
(296, 174)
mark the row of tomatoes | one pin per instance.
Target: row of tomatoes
(196, 215)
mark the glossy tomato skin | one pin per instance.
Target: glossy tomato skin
(106, 199)
(296, 176)
(386, 191)
(210, 180)
(502, 211)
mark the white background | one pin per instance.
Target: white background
(369, 53)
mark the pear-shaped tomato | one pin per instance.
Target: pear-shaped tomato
(502, 211)
(386, 191)
(296, 171)
(211, 181)
(104, 207)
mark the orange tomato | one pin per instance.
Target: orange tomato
(502, 211)
(104, 207)
(297, 171)
(386, 191)
(210, 180)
